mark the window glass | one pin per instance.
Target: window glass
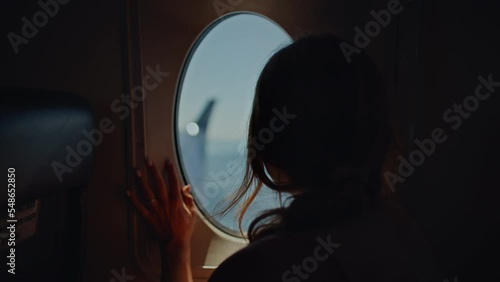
(213, 108)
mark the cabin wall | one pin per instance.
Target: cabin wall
(79, 51)
(454, 193)
(431, 54)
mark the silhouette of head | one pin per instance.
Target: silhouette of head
(319, 126)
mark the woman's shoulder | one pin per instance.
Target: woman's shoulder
(283, 257)
(382, 243)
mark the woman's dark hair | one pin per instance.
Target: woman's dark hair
(333, 144)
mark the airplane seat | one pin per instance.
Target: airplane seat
(47, 156)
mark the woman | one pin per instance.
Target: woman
(330, 156)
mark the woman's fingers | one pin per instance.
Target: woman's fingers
(146, 189)
(150, 195)
(187, 208)
(170, 213)
(187, 197)
(139, 207)
(161, 188)
(144, 212)
(173, 183)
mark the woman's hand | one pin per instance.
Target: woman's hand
(170, 211)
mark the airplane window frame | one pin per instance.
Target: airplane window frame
(214, 223)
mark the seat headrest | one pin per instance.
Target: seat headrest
(43, 139)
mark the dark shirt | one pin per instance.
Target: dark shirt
(382, 244)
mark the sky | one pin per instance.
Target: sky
(225, 65)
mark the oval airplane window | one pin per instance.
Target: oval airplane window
(214, 100)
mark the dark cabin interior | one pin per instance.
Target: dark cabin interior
(433, 55)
